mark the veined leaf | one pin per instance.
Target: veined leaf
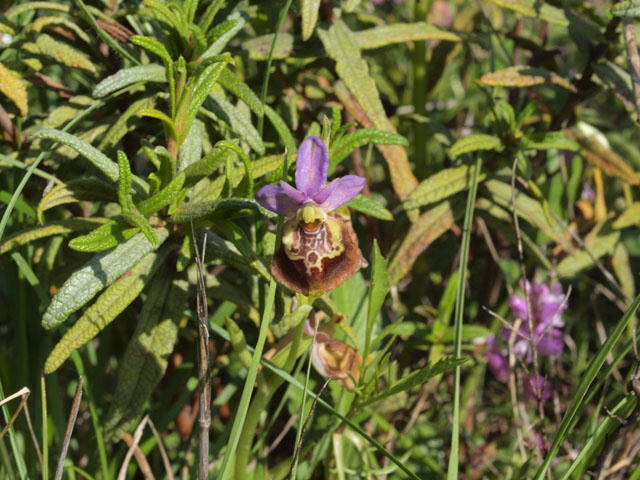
(145, 360)
(153, 46)
(106, 236)
(60, 52)
(622, 268)
(13, 88)
(238, 341)
(441, 185)
(233, 84)
(629, 217)
(548, 140)
(105, 309)
(129, 76)
(536, 9)
(25, 7)
(123, 124)
(346, 144)
(240, 124)
(226, 251)
(402, 33)
(341, 46)
(60, 227)
(100, 272)
(85, 189)
(239, 19)
(424, 231)
(628, 8)
(377, 293)
(475, 142)
(43, 22)
(191, 149)
(67, 111)
(600, 241)
(309, 17)
(525, 76)
(283, 130)
(222, 207)
(292, 320)
(163, 117)
(259, 47)
(369, 206)
(418, 377)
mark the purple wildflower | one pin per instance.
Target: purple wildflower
(498, 363)
(312, 165)
(547, 307)
(533, 385)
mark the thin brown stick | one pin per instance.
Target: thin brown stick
(133, 445)
(24, 393)
(633, 59)
(204, 373)
(163, 452)
(304, 427)
(75, 406)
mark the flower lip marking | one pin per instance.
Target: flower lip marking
(319, 249)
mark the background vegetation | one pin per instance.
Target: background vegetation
(497, 140)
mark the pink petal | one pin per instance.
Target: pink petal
(293, 194)
(312, 165)
(323, 194)
(347, 188)
(274, 198)
(518, 306)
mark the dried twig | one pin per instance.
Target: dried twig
(24, 393)
(70, 424)
(137, 435)
(304, 427)
(163, 452)
(204, 373)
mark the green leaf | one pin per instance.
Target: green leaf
(124, 124)
(622, 268)
(60, 227)
(369, 206)
(473, 143)
(124, 183)
(377, 293)
(536, 9)
(100, 272)
(154, 113)
(238, 122)
(233, 84)
(60, 52)
(341, 46)
(211, 209)
(238, 342)
(549, 140)
(292, 320)
(146, 358)
(20, 205)
(309, 17)
(425, 230)
(137, 220)
(525, 76)
(600, 241)
(283, 130)
(105, 309)
(629, 217)
(629, 8)
(129, 76)
(226, 251)
(191, 149)
(258, 48)
(439, 186)
(85, 189)
(586, 379)
(339, 150)
(11, 86)
(417, 377)
(153, 46)
(164, 197)
(402, 33)
(239, 20)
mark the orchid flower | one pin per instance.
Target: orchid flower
(319, 247)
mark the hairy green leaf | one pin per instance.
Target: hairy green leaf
(239, 123)
(347, 143)
(600, 241)
(60, 52)
(233, 84)
(369, 206)
(535, 9)
(525, 76)
(473, 143)
(439, 186)
(309, 17)
(402, 33)
(85, 189)
(129, 76)
(11, 86)
(627, 8)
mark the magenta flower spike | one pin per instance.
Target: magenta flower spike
(534, 386)
(319, 247)
(312, 165)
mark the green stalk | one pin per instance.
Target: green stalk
(265, 82)
(45, 431)
(22, 468)
(420, 87)
(452, 473)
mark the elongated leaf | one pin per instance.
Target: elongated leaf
(417, 377)
(340, 44)
(43, 22)
(239, 123)
(629, 217)
(473, 143)
(101, 271)
(86, 189)
(152, 45)
(369, 206)
(425, 230)
(104, 237)
(238, 341)
(97, 158)
(292, 320)
(163, 117)
(309, 17)
(586, 380)
(213, 209)
(536, 9)
(525, 76)
(191, 149)
(13, 88)
(145, 360)
(259, 47)
(599, 242)
(548, 140)
(233, 84)
(377, 293)
(402, 33)
(239, 20)
(628, 8)
(105, 309)
(25, 7)
(129, 76)
(60, 52)
(230, 255)
(346, 144)
(622, 268)
(283, 130)
(528, 208)
(441, 185)
(60, 227)
(124, 124)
